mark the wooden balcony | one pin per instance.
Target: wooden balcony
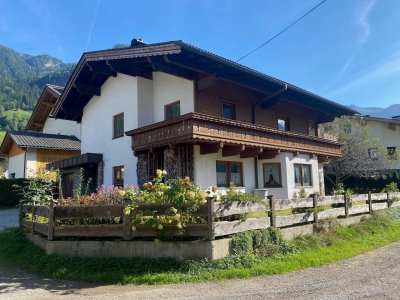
(234, 137)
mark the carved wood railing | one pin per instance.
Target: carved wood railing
(201, 128)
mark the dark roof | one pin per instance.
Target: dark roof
(33, 139)
(181, 59)
(76, 161)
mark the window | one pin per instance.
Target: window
(229, 171)
(229, 111)
(391, 151)
(283, 124)
(172, 110)
(118, 177)
(373, 153)
(12, 176)
(272, 175)
(302, 175)
(312, 128)
(118, 125)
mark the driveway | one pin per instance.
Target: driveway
(374, 275)
(8, 218)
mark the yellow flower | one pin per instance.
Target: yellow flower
(133, 228)
(164, 172)
(159, 173)
(160, 227)
(177, 217)
(179, 225)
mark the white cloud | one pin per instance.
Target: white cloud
(363, 22)
(96, 10)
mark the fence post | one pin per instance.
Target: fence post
(389, 204)
(33, 217)
(210, 218)
(127, 221)
(369, 202)
(272, 210)
(315, 207)
(50, 234)
(346, 205)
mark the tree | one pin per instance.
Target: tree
(362, 156)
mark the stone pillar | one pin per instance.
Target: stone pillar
(171, 164)
(142, 170)
(100, 173)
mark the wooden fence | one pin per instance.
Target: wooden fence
(47, 220)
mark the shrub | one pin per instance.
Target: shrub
(390, 188)
(233, 195)
(40, 189)
(10, 193)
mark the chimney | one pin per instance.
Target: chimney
(137, 42)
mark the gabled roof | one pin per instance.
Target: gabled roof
(38, 140)
(180, 59)
(44, 107)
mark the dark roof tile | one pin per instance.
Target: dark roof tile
(32, 139)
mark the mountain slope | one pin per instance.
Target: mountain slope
(388, 112)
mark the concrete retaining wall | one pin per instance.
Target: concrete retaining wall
(149, 249)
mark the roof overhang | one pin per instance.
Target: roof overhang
(44, 107)
(183, 60)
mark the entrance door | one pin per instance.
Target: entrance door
(67, 185)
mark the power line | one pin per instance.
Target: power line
(283, 30)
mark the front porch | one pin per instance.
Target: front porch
(216, 151)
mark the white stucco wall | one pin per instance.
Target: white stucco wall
(145, 102)
(205, 169)
(167, 89)
(16, 165)
(118, 95)
(59, 126)
(205, 172)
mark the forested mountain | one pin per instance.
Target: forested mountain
(22, 78)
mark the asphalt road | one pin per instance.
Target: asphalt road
(375, 275)
(8, 218)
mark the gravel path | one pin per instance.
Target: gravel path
(374, 275)
(8, 218)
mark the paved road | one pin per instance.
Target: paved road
(8, 218)
(374, 275)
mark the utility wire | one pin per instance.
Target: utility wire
(283, 30)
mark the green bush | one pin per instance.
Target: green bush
(9, 193)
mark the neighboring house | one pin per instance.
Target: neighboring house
(45, 139)
(176, 107)
(384, 130)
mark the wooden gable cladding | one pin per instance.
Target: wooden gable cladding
(45, 156)
(205, 129)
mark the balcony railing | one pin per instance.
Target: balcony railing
(200, 128)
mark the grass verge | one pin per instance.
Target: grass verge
(331, 244)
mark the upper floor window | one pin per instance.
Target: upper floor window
(283, 124)
(312, 128)
(172, 110)
(118, 176)
(229, 171)
(302, 175)
(391, 151)
(229, 111)
(118, 125)
(272, 174)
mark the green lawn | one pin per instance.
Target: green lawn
(327, 246)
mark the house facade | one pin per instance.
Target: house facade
(45, 140)
(176, 107)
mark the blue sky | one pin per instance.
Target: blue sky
(346, 50)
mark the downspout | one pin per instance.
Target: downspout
(26, 150)
(253, 120)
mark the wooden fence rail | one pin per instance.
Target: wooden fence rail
(53, 220)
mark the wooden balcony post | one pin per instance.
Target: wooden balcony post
(210, 218)
(50, 234)
(369, 202)
(315, 207)
(127, 221)
(272, 210)
(346, 205)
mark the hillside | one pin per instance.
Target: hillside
(388, 112)
(22, 79)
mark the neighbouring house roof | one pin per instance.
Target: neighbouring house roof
(44, 107)
(379, 119)
(180, 59)
(38, 140)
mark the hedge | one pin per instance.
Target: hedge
(9, 194)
